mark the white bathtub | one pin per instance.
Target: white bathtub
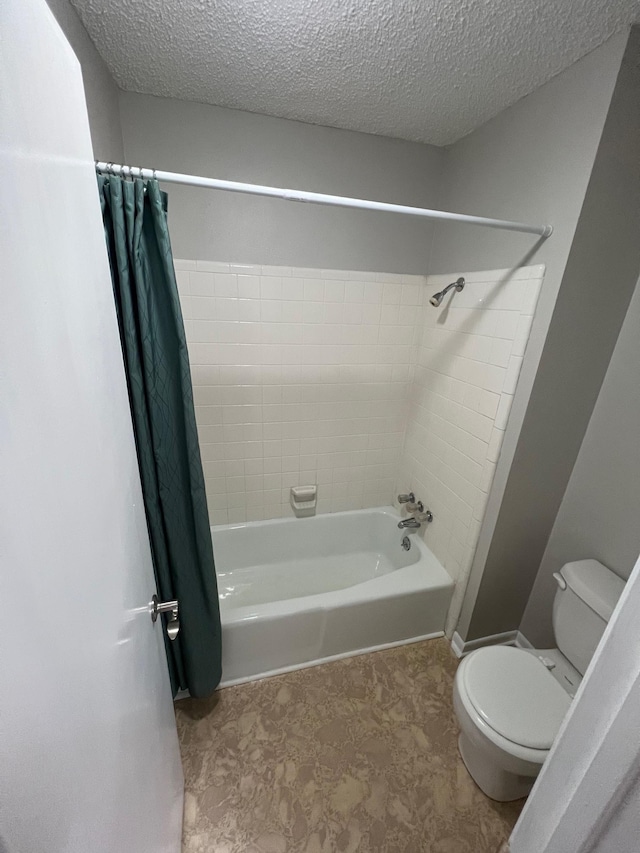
(297, 592)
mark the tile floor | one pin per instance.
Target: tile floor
(355, 755)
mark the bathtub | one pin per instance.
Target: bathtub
(298, 592)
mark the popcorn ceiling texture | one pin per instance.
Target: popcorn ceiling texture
(429, 72)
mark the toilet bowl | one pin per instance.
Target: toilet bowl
(509, 708)
(509, 702)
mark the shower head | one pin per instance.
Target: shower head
(437, 298)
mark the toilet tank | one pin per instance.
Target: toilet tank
(586, 596)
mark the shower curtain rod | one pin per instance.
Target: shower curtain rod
(319, 198)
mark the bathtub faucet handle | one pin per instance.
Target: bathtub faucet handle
(407, 499)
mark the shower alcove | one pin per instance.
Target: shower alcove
(352, 381)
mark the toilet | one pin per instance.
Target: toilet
(510, 701)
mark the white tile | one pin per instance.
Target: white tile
(480, 505)
(292, 311)
(482, 348)
(331, 275)
(371, 314)
(530, 297)
(522, 335)
(306, 272)
(293, 289)
(277, 271)
(410, 295)
(181, 264)
(212, 266)
(502, 415)
(313, 312)
(512, 374)
(487, 475)
(493, 378)
(500, 352)
(390, 314)
(313, 290)
(185, 307)
(334, 291)
(391, 294)
(248, 286)
(248, 310)
(507, 296)
(506, 323)
(406, 315)
(318, 386)
(182, 280)
(226, 309)
(270, 287)
(488, 404)
(245, 269)
(271, 311)
(373, 292)
(352, 313)
(201, 284)
(354, 291)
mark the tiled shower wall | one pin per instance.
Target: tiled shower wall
(300, 376)
(468, 365)
(352, 381)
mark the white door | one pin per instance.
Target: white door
(89, 759)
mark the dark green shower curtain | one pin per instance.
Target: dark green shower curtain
(161, 399)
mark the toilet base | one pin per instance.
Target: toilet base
(496, 783)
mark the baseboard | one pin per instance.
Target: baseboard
(507, 638)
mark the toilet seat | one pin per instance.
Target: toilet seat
(514, 699)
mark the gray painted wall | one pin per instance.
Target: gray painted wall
(582, 333)
(100, 90)
(600, 513)
(199, 139)
(532, 162)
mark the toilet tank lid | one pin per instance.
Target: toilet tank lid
(595, 584)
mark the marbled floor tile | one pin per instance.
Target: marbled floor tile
(355, 755)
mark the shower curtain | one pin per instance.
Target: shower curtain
(161, 399)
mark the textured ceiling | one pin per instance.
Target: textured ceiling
(426, 70)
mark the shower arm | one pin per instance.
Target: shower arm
(458, 284)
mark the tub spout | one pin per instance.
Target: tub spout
(410, 523)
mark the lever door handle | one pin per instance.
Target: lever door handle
(171, 607)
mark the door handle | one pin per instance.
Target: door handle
(171, 607)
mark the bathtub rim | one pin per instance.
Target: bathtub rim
(387, 509)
